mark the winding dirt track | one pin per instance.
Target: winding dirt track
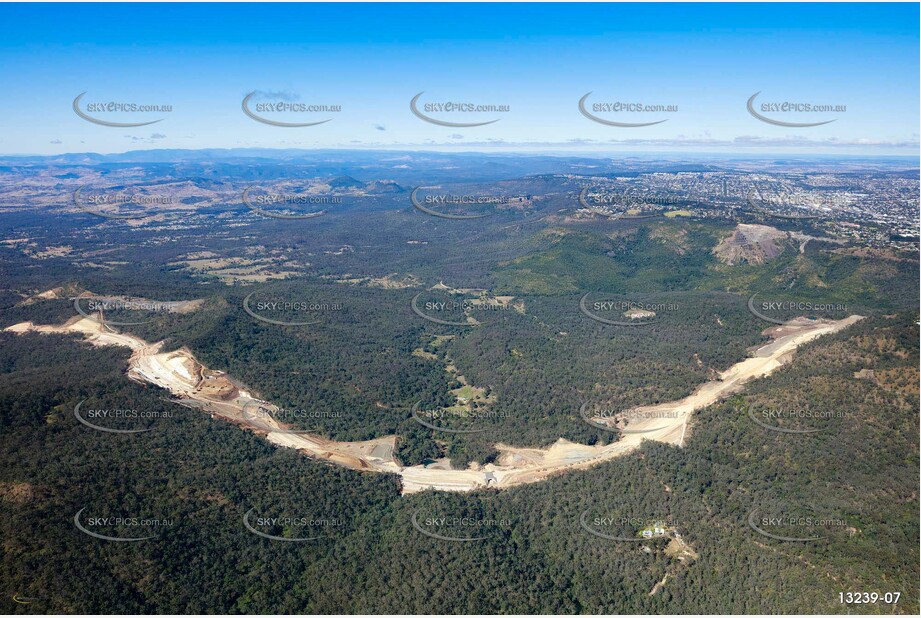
(199, 387)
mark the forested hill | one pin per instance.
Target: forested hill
(199, 476)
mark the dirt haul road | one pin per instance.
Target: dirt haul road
(199, 387)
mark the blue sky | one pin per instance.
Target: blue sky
(539, 60)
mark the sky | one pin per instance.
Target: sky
(700, 62)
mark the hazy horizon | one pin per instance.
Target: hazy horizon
(599, 154)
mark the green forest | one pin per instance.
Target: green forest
(203, 475)
(367, 359)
